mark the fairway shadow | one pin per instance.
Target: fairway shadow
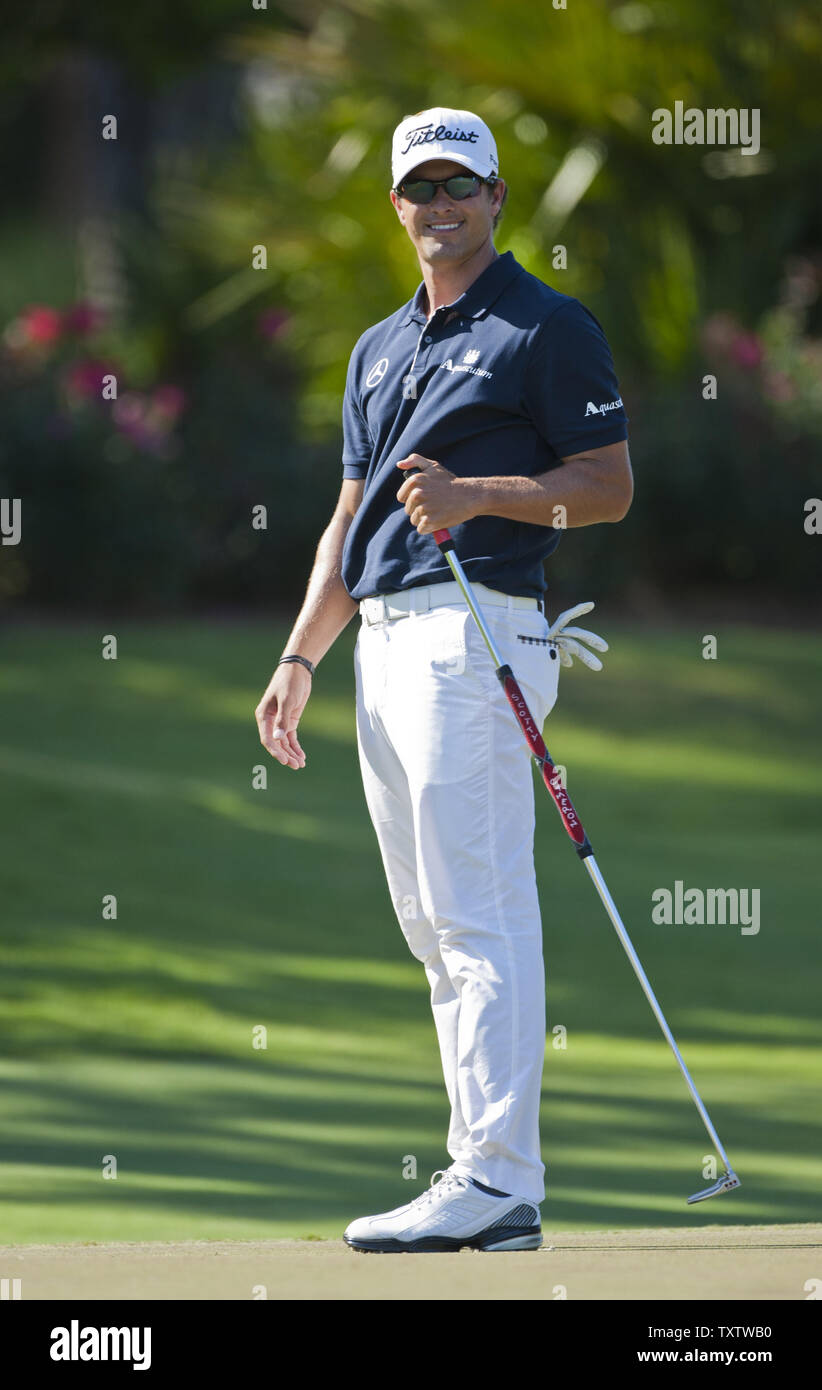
(319, 1148)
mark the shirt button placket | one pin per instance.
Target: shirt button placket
(420, 363)
(421, 359)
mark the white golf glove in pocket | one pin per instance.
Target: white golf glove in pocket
(569, 640)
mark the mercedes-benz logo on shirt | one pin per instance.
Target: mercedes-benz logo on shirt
(377, 372)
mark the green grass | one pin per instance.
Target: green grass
(237, 908)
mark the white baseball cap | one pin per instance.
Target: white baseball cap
(443, 133)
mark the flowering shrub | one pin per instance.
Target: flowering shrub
(779, 365)
(145, 496)
(54, 343)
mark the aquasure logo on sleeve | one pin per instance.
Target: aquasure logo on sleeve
(603, 409)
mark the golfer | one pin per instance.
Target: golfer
(488, 404)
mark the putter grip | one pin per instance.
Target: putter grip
(444, 540)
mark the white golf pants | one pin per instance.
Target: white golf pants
(449, 786)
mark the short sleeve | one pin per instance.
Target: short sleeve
(357, 444)
(571, 388)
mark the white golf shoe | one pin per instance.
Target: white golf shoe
(451, 1214)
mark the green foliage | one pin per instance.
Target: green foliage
(653, 239)
(689, 257)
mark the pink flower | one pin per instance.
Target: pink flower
(83, 319)
(272, 323)
(85, 378)
(148, 420)
(169, 402)
(41, 324)
(36, 327)
(129, 415)
(746, 351)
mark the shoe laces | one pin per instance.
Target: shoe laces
(448, 1183)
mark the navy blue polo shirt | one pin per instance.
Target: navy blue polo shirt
(508, 380)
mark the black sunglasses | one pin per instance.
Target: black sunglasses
(458, 187)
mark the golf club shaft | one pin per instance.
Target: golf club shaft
(570, 819)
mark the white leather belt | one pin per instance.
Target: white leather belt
(384, 608)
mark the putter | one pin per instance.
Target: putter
(573, 825)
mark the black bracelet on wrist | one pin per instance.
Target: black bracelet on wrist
(302, 660)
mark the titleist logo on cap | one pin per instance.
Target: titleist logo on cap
(423, 134)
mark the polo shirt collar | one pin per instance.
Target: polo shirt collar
(478, 298)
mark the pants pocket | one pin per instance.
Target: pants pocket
(438, 638)
(521, 639)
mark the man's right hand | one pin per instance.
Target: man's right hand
(279, 710)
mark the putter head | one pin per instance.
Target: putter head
(726, 1183)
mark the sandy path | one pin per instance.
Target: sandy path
(720, 1262)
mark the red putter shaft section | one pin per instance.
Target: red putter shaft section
(534, 739)
(535, 742)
